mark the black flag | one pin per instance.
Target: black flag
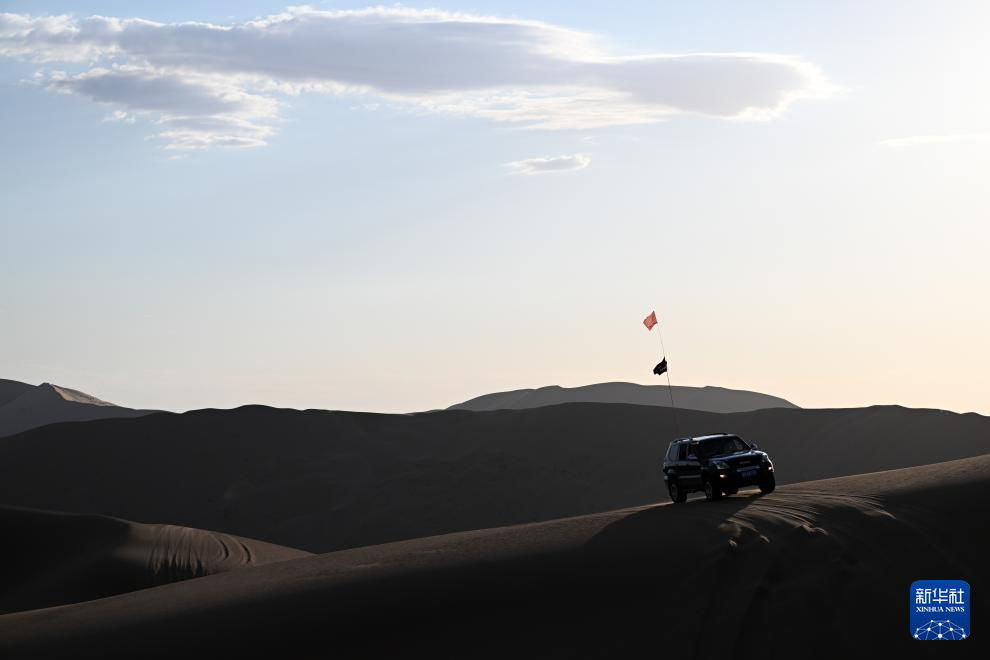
(661, 368)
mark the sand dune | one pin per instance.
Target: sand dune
(325, 481)
(49, 558)
(815, 569)
(11, 389)
(24, 406)
(711, 399)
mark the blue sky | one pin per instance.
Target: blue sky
(377, 249)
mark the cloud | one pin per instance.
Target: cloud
(121, 116)
(530, 73)
(57, 38)
(947, 138)
(193, 111)
(549, 164)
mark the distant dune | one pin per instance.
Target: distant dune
(11, 389)
(49, 558)
(24, 406)
(819, 570)
(323, 481)
(712, 399)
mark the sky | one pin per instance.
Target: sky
(396, 208)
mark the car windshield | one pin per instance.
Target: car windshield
(729, 444)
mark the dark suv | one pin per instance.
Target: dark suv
(718, 464)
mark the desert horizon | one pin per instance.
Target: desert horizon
(639, 393)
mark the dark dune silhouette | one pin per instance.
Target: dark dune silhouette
(49, 558)
(712, 399)
(24, 406)
(323, 481)
(819, 569)
(11, 389)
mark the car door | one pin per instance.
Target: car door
(689, 467)
(670, 461)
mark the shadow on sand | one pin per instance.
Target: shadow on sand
(670, 528)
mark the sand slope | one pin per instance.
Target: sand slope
(814, 570)
(49, 558)
(711, 399)
(11, 389)
(24, 406)
(324, 481)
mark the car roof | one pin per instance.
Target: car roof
(704, 437)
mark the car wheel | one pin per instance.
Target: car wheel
(768, 484)
(711, 493)
(676, 494)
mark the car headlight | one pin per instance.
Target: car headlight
(720, 465)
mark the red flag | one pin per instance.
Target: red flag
(650, 320)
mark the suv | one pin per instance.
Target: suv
(718, 464)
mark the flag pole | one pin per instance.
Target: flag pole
(670, 390)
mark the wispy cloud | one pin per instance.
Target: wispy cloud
(121, 116)
(190, 110)
(549, 164)
(946, 138)
(225, 85)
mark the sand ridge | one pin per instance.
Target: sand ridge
(753, 571)
(323, 481)
(24, 407)
(50, 558)
(707, 398)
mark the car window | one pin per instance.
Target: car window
(672, 452)
(705, 448)
(735, 444)
(682, 451)
(720, 446)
